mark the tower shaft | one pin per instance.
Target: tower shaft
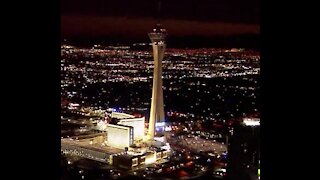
(157, 108)
(156, 120)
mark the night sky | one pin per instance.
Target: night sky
(184, 19)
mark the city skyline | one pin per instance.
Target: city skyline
(106, 100)
(150, 109)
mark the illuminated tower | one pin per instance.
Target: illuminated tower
(156, 120)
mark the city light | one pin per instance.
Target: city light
(160, 124)
(251, 122)
(194, 100)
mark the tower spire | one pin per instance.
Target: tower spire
(159, 6)
(159, 12)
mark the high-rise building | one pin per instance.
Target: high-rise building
(244, 151)
(157, 118)
(119, 136)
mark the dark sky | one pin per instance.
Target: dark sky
(134, 18)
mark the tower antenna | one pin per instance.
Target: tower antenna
(159, 11)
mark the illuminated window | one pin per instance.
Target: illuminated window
(135, 162)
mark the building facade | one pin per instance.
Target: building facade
(119, 136)
(244, 151)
